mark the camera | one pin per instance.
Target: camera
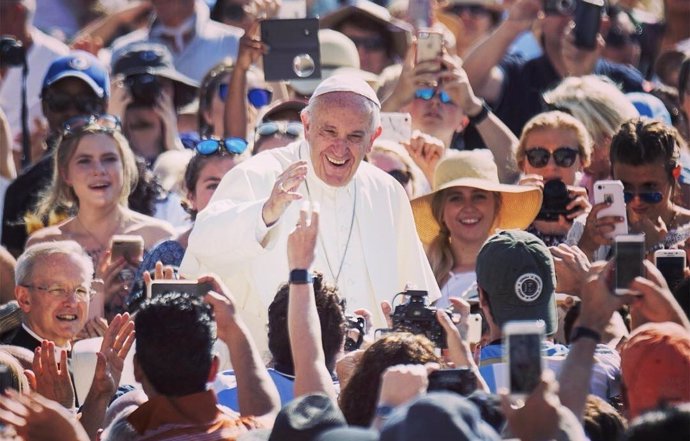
(354, 323)
(418, 318)
(12, 53)
(145, 88)
(562, 7)
(556, 198)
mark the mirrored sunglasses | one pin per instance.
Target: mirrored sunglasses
(270, 128)
(649, 197)
(257, 97)
(236, 146)
(428, 93)
(564, 157)
(104, 122)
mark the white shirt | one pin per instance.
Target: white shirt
(231, 239)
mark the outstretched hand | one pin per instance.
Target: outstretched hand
(51, 378)
(302, 241)
(116, 344)
(284, 192)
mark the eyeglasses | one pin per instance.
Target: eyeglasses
(471, 9)
(105, 122)
(60, 292)
(428, 93)
(270, 128)
(257, 97)
(649, 197)
(402, 176)
(369, 44)
(564, 157)
(60, 103)
(236, 146)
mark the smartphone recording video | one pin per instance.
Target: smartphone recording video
(629, 257)
(523, 340)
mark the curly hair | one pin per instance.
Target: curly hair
(331, 312)
(358, 399)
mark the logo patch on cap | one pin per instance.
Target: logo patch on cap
(79, 63)
(528, 287)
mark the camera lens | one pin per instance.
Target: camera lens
(303, 65)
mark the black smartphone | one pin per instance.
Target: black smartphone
(587, 20)
(461, 381)
(191, 287)
(629, 255)
(293, 49)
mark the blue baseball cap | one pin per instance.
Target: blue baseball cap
(82, 65)
(650, 106)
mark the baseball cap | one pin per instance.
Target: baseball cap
(82, 65)
(650, 106)
(655, 363)
(516, 271)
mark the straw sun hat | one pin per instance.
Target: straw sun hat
(477, 169)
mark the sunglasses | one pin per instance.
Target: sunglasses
(60, 103)
(428, 93)
(257, 97)
(402, 176)
(564, 157)
(649, 197)
(104, 123)
(471, 9)
(270, 128)
(369, 44)
(211, 146)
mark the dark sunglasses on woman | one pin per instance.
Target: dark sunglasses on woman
(649, 197)
(257, 97)
(538, 157)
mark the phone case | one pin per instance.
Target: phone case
(613, 191)
(525, 365)
(288, 40)
(396, 126)
(429, 45)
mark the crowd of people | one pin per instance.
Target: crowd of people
(191, 251)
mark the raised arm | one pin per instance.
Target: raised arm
(311, 374)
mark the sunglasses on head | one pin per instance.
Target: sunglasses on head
(60, 103)
(211, 146)
(428, 93)
(104, 122)
(471, 9)
(257, 97)
(564, 157)
(649, 197)
(270, 128)
(369, 44)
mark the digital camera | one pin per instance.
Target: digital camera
(145, 88)
(562, 7)
(357, 323)
(556, 198)
(418, 318)
(12, 53)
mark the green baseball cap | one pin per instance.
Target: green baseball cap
(515, 270)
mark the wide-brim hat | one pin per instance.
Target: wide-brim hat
(400, 31)
(520, 204)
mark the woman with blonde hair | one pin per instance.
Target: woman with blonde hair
(94, 172)
(467, 205)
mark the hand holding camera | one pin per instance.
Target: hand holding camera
(417, 317)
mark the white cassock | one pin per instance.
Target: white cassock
(382, 255)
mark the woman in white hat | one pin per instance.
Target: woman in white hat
(467, 205)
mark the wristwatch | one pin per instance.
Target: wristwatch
(300, 277)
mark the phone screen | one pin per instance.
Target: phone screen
(629, 257)
(524, 358)
(672, 268)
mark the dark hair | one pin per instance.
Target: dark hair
(358, 399)
(684, 79)
(147, 190)
(192, 172)
(174, 346)
(601, 420)
(331, 312)
(669, 424)
(641, 141)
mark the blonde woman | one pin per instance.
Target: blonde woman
(93, 173)
(467, 205)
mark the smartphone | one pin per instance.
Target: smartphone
(129, 246)
(629, 255)
(293, 49)
(429, 46)
(474, 334)
(191, 287)
(671, 264)
(587, 20)
(396, 126)
(523, 342)
(612, 191)
(461, 381)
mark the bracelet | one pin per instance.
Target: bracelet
(481, 116)
(582, 332)
(300, 277)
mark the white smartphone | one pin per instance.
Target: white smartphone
(671, 264)
(612, 191)
(396, 126)
(474, 333)
(429, 46)
(522, 352)
(629, 257)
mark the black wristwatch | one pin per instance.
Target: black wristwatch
(300, 277)
(481, 116)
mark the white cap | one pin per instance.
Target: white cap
(346, 83)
